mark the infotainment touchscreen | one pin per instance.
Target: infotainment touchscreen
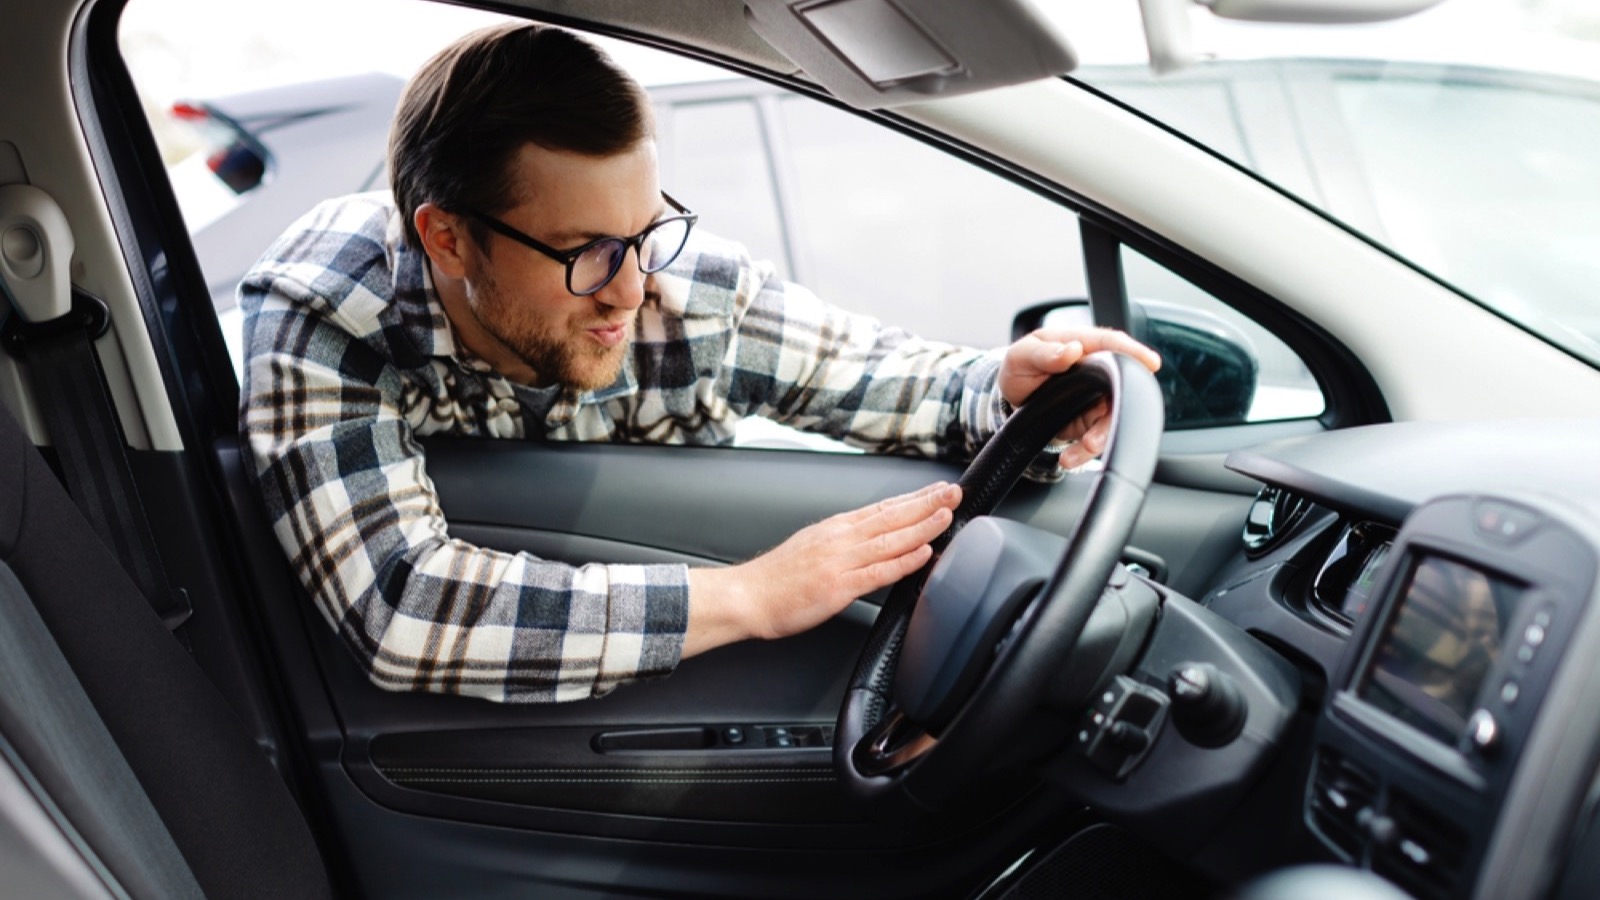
(1443, 638)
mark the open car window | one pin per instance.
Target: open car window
(258, 127)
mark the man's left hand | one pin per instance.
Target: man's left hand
(1033, 359)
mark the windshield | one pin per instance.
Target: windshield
(1465, 138)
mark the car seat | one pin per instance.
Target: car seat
(123, 771)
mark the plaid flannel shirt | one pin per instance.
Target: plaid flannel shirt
(351, 358)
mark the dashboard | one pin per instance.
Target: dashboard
(1436, 582)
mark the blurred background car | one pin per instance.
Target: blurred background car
(258, 160)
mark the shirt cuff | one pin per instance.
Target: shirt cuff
(1046, 467)
(647, 618)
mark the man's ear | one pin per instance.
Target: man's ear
(444, 238)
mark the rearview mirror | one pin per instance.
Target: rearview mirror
(1167, 33)
(1208, 370)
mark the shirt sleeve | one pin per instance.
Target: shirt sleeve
(344, 484)
(806, 363)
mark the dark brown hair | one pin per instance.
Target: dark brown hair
(475, 104)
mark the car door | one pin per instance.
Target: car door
(717, 780)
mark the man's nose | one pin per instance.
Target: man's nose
(625, 290)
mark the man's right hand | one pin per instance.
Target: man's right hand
(813, 575)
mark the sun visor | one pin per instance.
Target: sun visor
(878, 53)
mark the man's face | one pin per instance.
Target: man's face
(520, 296)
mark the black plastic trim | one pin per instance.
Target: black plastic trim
(160, 259)
(1102, 264)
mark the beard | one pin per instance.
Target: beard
(559, 350)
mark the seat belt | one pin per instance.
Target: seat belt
(53, 326)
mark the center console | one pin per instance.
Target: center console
(1466, 623)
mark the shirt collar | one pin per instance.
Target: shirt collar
(421, 315)
(569, 402)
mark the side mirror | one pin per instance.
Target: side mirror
(1208, 367)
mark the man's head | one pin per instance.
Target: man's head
(471, 109)
(538, 131)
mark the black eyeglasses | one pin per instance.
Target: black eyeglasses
(592, 266)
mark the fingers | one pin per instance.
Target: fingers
(887, 572)
(1032, 359)
(1038, 353)
(892, 556)
(1048, 351)
(1096, 417)
(819, 570)
(891, 539)
(1091, 340)
(901, 535)
(1087, 435)
(1076, 455)
(906, 508)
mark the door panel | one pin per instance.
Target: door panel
(526, 797)
(676, 822)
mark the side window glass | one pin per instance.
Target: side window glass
(1221, 367)
(713, 157)
(874, 221)
(889, 226)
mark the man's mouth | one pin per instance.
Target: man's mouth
(608, 335)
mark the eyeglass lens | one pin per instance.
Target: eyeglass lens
(658, 247)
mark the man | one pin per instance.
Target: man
(529, 278)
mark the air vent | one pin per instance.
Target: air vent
(1273, 515)
(1426, 853)
(1341, 794)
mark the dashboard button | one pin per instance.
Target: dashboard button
(1415, 852)
(1130, 739)
(1190, 682)
(1509, 692)
(1483, 731)
(1504, 522)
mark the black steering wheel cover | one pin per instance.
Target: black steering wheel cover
(1013, 685)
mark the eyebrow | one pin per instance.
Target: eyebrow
(583, 237)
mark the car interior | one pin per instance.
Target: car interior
(1327, 654)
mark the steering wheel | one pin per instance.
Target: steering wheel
(966, 648)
